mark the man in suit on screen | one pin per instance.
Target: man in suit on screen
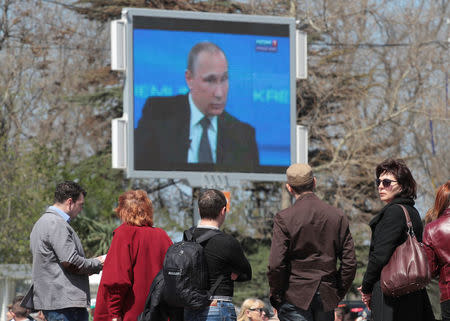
(180, 132)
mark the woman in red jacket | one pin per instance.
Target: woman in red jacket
(135, 257)
(436, 237)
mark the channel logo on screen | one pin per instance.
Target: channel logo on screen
(267, 45)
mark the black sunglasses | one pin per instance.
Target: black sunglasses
(386, 182)
(257, 309)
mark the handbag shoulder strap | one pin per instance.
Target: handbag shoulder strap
(408, 220)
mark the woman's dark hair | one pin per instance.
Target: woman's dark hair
(398, 168)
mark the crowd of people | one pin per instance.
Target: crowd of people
(312, 261)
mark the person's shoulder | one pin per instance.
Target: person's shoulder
(158, 232)
(396, 208)
(393, 213)
(284, 213)
(124, 228)
(229, 120)
(284, 217)
(430, 228)
(221, 236)
(50, 218)
(166, 104)
(330, 209)
(313, 203)
(148, 232)
(437, 224)
(50, 223)
(157, 109)
(168, 98)
(311, 200)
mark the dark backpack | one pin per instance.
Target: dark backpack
(185, 272)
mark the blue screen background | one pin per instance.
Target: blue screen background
(259, 81)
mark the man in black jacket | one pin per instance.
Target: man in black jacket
(225, 258)
(226, 263)
(177, 133)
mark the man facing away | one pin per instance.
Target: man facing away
(308, 239)
(224, 257)
(60, 270)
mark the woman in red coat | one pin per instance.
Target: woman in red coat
(436, 237)
(135, 257)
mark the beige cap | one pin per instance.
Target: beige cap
(299, 175)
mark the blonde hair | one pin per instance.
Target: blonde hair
(248, 304)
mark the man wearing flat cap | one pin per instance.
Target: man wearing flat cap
(309, 238)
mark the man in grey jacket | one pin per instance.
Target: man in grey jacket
(60, 269)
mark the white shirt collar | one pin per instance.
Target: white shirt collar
(212, 227)
(197, 115)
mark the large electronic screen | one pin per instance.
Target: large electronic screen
(234, 70)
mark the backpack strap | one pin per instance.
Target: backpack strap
(188, 235)
(202, 238)
(215, 285)
(206, 236)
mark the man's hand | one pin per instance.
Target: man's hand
(234, 276)
(276, 301)
(365, 297)
(101, 258)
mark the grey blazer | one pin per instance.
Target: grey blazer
(54, 243)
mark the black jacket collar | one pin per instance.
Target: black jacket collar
(397, 200)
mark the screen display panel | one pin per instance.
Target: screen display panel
(237, 74)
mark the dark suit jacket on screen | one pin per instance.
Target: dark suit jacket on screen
(161, 140)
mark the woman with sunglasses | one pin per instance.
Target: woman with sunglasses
(437, 240)
(395, 186)
(251, 310)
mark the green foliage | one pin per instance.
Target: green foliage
(27, 177)
(98, 219)
(97, 235)
(361, 237)
(257, 252)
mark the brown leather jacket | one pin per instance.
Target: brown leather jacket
(308, 239)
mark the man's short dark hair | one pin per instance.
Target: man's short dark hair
(210, 203)
(68, 189)
(197, 49)
(303, 188)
